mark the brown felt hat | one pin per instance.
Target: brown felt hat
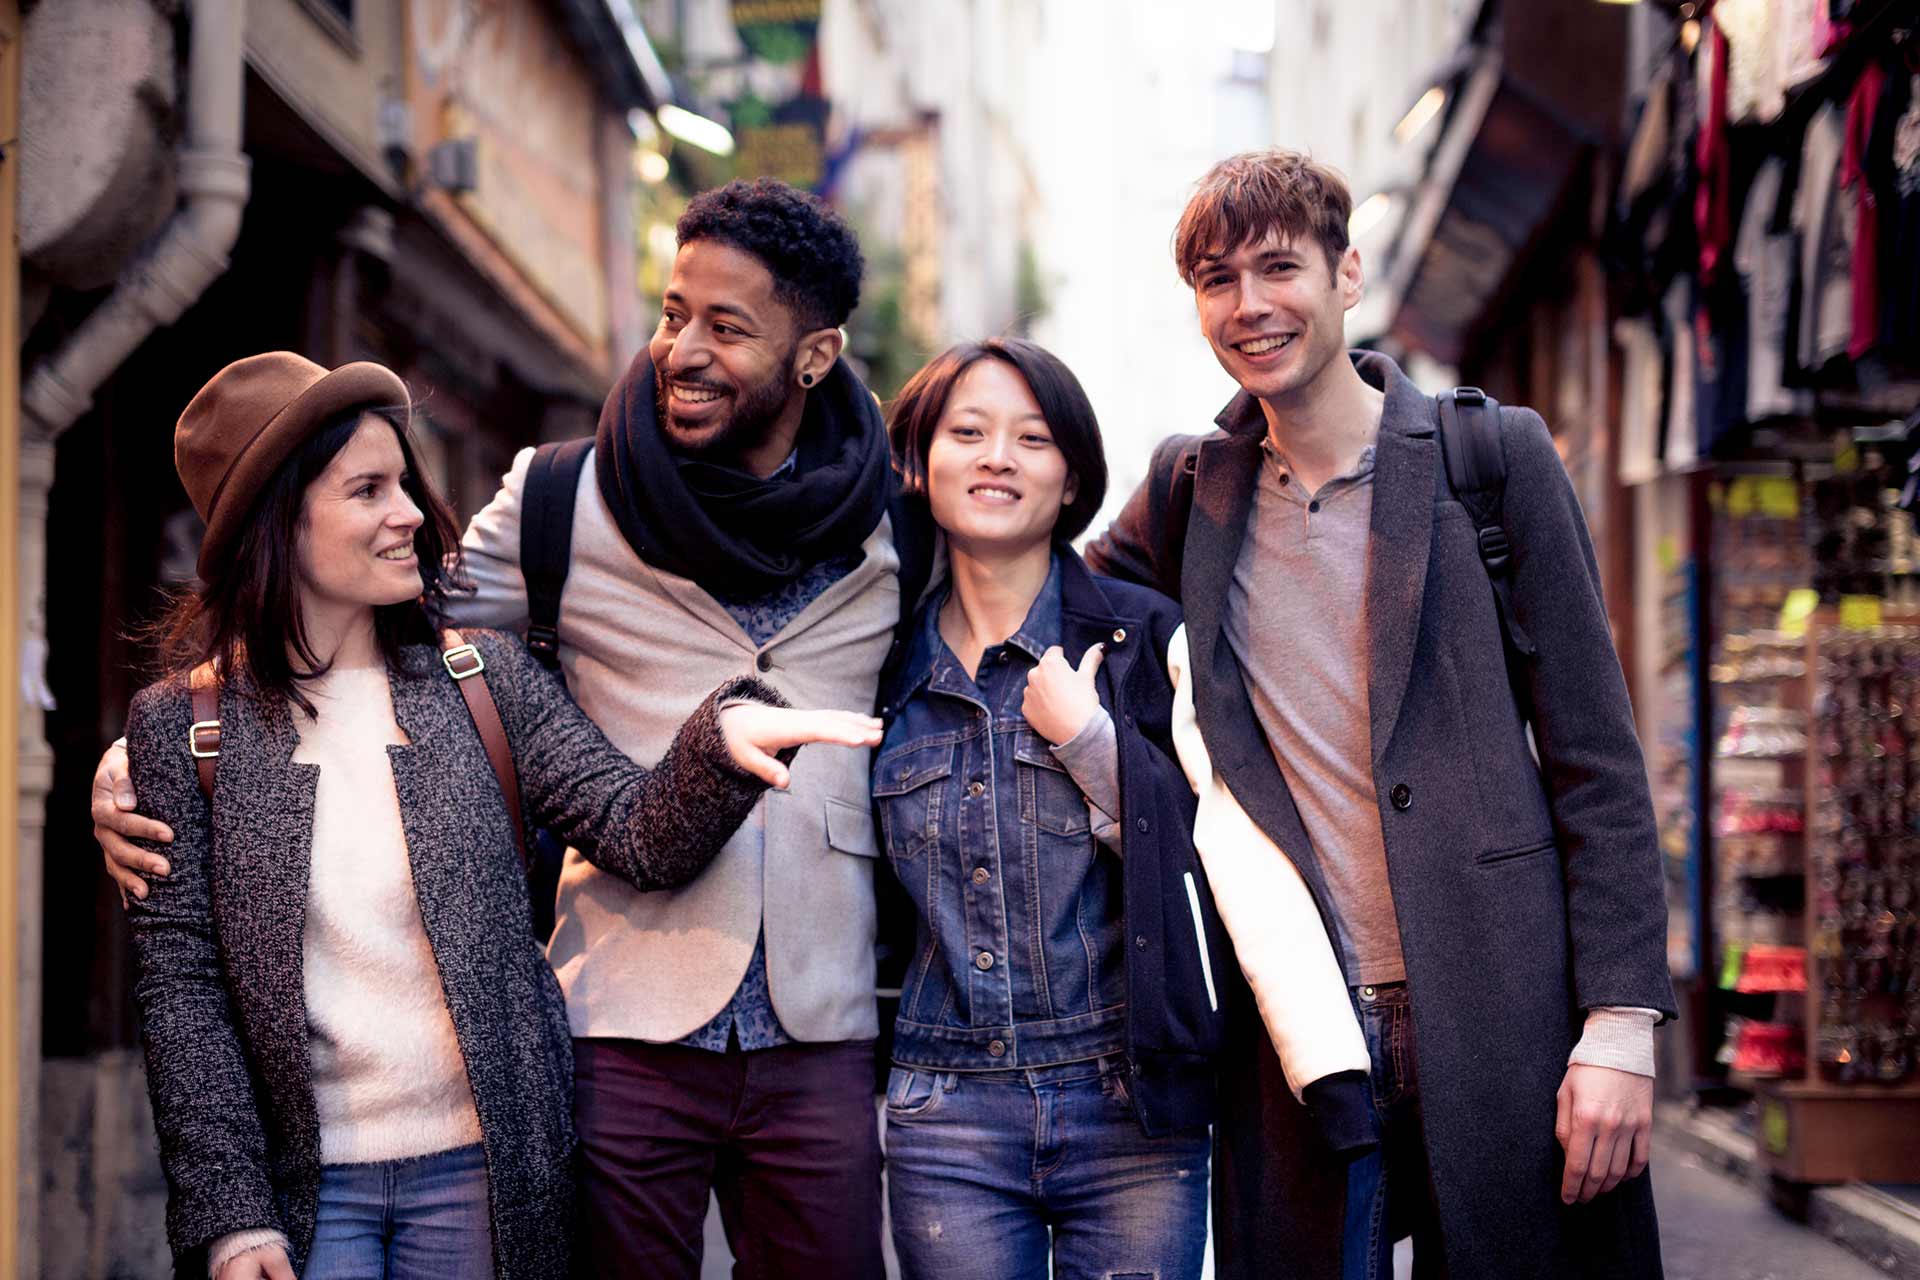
(249, 418)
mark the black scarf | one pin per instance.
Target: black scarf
(737, 535)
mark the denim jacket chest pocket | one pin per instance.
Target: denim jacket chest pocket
(1049, 797)
(909, 788)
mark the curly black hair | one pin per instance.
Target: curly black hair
(810, 250)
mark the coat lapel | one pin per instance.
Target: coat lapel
(1406, 461)
(1227, 471)
(262, 855)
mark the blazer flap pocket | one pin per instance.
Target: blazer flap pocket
(1031, 748)
(850, 828)
(1512, 852)
(910, 768)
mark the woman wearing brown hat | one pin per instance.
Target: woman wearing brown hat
(358, 1057)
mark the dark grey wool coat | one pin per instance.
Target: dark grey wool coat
(218, 942)
(1526, 893)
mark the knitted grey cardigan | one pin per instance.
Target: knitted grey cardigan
(218, 942)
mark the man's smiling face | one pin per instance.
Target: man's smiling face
(1274, 309)
(723, 356)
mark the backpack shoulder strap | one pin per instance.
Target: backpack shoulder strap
(546, 539)
(465, 665)
(1476, 465)
(203, 735)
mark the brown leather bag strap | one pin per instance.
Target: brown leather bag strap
(203, 735)
(464, 664)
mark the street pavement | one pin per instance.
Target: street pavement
(1715, 1228)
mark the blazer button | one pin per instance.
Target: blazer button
(997, 1048)
(764, 662)
(1402, 796)
(983, 961)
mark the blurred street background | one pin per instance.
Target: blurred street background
(1687, 233)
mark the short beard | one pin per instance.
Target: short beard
(753, 414)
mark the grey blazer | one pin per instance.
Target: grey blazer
(218, 942)
(1527, 892)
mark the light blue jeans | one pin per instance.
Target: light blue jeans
(420, 1219)
(990, 1174)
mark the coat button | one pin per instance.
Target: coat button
(1120, 635)
(997, 1048)
(1140, 942)
(976, 788)
(1142, 824)
(983, 961)
(764, 662)
(1129, 719)
(1402, 796)
(980, 875)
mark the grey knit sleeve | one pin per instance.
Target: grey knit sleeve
(656, 828)
(212, 1143)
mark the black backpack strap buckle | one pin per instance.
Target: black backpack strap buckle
(1494, 548)
(544, 643)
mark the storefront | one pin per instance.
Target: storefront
(1764, 256)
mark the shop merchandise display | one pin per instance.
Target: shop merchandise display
(1864, 860)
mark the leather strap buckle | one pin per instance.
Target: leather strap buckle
(200, 733)
(463, 661)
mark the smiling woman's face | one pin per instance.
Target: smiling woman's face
(357, 525)
(996, 481)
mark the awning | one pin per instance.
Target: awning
(615, 43)
(1544, 84)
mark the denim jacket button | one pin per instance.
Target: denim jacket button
(983, 961)
(979, 875)
(997, 1048)
(976, 788)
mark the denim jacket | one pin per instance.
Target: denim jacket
(1035, 945)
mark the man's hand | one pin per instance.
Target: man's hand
(268, 1262)
(1604, 1123)
(1060, 699)
(116, 826)
(756, 732)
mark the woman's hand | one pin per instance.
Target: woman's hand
(755, 732)
(268, 1262)
(1060, 699)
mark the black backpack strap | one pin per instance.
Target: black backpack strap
(546, 539)
(1476, 463)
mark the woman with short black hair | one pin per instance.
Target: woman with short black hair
(1051, 1087)
(359, 1060)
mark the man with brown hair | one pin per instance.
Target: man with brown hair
(1368, 700)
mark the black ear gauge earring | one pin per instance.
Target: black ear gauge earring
(806, 379)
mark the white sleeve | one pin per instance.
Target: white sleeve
(491, 546)
(1269, 912)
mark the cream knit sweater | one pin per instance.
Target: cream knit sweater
(388, 1078)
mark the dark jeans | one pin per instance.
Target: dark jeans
(786, 1138)
(1390, 1190)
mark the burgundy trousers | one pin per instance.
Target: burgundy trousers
(785, 1138)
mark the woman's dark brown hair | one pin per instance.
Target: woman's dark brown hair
(246, 616)
(916, 411)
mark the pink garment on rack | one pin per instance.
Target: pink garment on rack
(1713, 198)
(1861, 106)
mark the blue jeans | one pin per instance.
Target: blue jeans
(419, 1219)
(1389, 1190)
(991, 1173)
